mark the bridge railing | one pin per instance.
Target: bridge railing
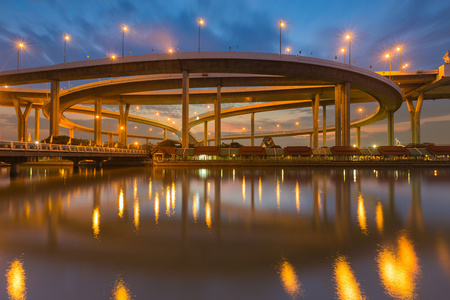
(33, 147)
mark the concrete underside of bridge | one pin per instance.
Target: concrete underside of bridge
(235, 77)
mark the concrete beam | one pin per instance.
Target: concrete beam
(315, 111)
(217, 118)
(358, 137)
(54, 108)
(98, 122)
(337, 114)
(324, 126)
(185, 110)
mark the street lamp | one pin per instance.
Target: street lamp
(343, 53)
(405, 66)
(388, 55)
(360, 111)
(281, 25)
(349, 38)
(66, 38)
(200, 23)
(170, 50)
(124, 28)
(399, 49)
(19, 46)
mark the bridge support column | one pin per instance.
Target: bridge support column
(315, 111)
(98, 122)
(337, 114)
(72, 133)
(205, 133)
(346, 114)
(414, 114)
(390, 125)
(324, 126)
(22, 119)
(217, 117)
(54, 108)
(36, 124)
(111, 140)
(123, 123)
(311, 140)
(185, 110)
(252, 129)
(358, 137)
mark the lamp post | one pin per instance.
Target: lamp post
(66, 38)
(405, 66)
(281, 25)
(360, 111)
(390, 57)
(349, 38)
(200, 23)
(399, 49)
(343, 53)
(124, 28)
(288, 50)
(19, 46)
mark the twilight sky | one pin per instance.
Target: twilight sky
(317, 27)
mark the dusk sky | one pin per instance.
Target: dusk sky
(313, 27)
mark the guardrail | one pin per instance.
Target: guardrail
(51, 148)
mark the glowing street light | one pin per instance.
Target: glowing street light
(66, 38)
(124, 28)
(343, 53)
(200, 23)
(399, 49)
(281, 25)
(297, 123)
(405, 66)
(349, 38)
(19, 46)
(288, 50)
(388, 55)
(360, 111)
(170, 50)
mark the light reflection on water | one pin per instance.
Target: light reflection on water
(165, 228)
(15, 276)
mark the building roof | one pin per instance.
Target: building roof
(165, 150)
(298, 150)
(439, 150)
(252, 150)
(394, 150)
(207, 150)
(345, 150)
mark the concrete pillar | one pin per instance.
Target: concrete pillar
(146, 142)
(54, 108)
(98, 122)
(123, 123)
(22, 119)
(111, 140)
(164, 134)
(252, 129)
(390, 129)
(185, 110)
(346, 114)
(337, 114)
(217, 117)
(417, 112)
(311, 141)
(315, 111)
(205, 133)
(36, 124)
(324, 126)
(411, 110)
(358, 137)
(71, 132)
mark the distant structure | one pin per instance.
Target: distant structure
(268, 142)
(447, 57)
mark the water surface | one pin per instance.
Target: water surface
(230, 233)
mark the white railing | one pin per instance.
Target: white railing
(39, 147)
